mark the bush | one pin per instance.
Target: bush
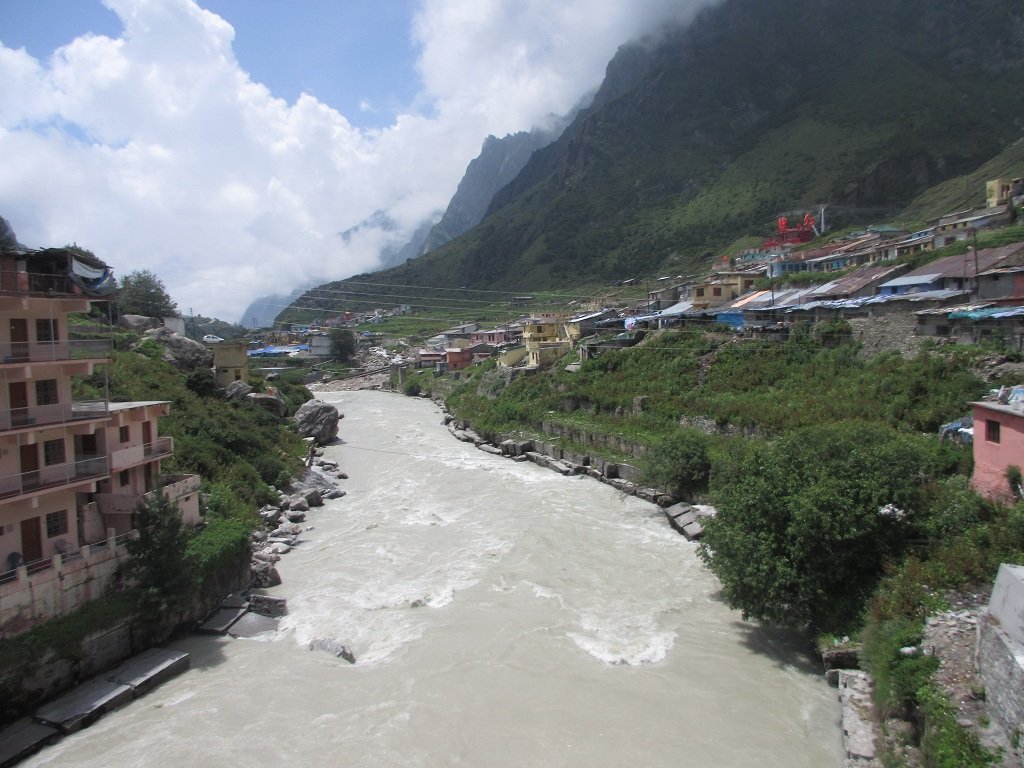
(679, 463)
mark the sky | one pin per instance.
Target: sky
(226, 144)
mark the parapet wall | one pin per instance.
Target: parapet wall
(1000, 656)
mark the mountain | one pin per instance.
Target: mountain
(261, 311)
(707, 132)
(499, 162)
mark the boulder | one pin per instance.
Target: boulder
(314, 498)
(179, 351)
(266, 605)
(264, 574)
(296, 517)
(299, 504)
(334, 493)
(318, 420)
(272, 401)
(139, 323)
(236, 390)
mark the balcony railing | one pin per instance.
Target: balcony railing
(58, 413)
(17, 283)
(162, 446)
(174, 487)
(55, 351)
(84, 467)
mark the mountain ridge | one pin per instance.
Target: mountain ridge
(707, 132)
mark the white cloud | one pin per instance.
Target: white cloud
(156, 150)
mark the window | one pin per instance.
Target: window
(124, 434)
(717, 291)
(125, 478)
(53, 452)
(47, 331)
(992, 430)
(700, 291)
(57, 523)
(46, 392)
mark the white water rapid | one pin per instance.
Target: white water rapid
(501, 615)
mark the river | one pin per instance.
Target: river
(501, 615)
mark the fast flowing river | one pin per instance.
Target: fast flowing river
(501, 615)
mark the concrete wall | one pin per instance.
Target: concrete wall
(1000, 656)
(62, 588)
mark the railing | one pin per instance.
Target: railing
(58, 413)
(83, 468)
(173, 487)
(162, 446)
(176, 486)
(22, 283)
(55, 351)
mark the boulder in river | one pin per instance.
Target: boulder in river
(318, 420)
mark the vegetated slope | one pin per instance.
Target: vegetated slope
(759, 107)
(963, 192)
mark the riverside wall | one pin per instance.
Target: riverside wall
(39, 678)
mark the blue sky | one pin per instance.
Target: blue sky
(357, 57)
(225, 144)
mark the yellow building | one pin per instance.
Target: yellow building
(230, 361)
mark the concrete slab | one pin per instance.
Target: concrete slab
(253, 624)
(678, 509)
(221, 621)
(235, 600)
(150, 668)
(84, 705)
(1007, 601)
(23, 738)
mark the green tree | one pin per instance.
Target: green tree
(158, 561)
(679, 463)
(143, 293)
(805, 524)
(343, 344)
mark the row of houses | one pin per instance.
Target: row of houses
(72, 471)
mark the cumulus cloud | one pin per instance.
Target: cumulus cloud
(157, 150)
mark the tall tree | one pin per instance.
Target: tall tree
(143, 293)
(159, 564)
(343, 344)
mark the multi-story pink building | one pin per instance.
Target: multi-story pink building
(71, 471)
(998, 445)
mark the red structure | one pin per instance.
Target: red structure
(787, 235)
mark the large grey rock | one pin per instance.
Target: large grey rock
(318, 420)
(139, 323)
(236, 390)
(264, 574)
(179, 351)
(272, 401)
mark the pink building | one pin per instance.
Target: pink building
(458, 358)
(998, 444)
(60, 545)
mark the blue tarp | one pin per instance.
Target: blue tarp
(267, 351)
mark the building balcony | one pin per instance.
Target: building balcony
(173, 487)
(85, 467)
(133, 455)
(21, 352)
(36, 416)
